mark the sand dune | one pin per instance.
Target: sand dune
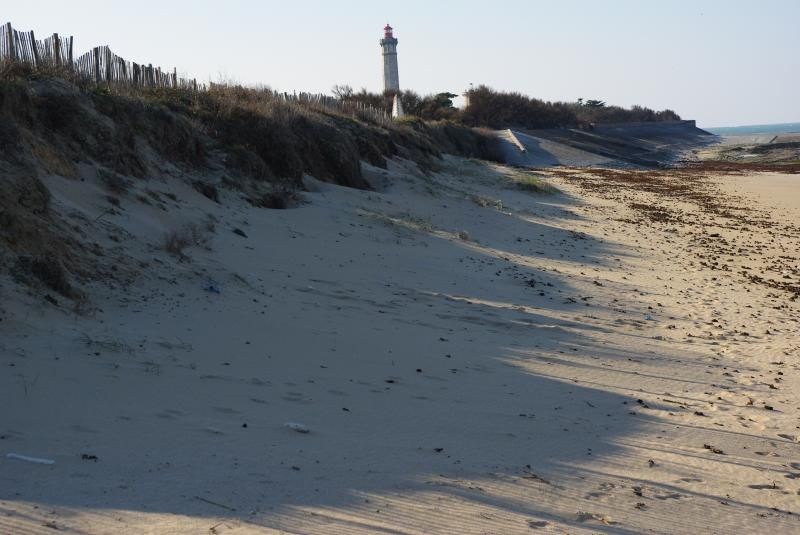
(467, 356)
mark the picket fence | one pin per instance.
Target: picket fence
(101, 66)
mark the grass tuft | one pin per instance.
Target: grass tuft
(47, 270)
(192, 235)
(534, 184)
(114, 182)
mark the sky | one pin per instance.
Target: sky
(721, 62)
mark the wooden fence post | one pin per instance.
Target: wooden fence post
(96, 54)
(56, 50)
(36, 58)
(108, 65)
(69, 56)
(10, 42)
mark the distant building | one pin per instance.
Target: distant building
(391, 76)
(466, 96)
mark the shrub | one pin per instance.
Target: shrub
(114, 182)
(279, 198)
(485, 202)
(494, 109)
(497, 109)
(175, 242)
(599, 112)
(207, 190)
(46, 269)
(192, 235)
(534, 184)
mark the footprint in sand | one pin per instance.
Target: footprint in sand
(671, 496)
(297, 397)
(772, 486)
(82, 429)
(226, 410)
(169, 414)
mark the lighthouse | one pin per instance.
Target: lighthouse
(391, 77)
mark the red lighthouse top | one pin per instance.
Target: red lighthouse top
(388, 32)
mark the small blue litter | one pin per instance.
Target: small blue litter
(213, 288)
(648, 317)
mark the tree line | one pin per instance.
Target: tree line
(500, 109)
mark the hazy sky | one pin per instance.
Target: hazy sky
(722, 62)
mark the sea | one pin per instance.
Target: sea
(755, 129)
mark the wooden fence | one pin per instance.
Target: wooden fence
(324, 102)
(101, 66)
(23, 47)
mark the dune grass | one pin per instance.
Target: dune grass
(531, 183)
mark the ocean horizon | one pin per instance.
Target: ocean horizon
(746, 130)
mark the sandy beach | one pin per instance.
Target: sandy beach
(459, 355)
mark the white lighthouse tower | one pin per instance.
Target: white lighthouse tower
(391, 77)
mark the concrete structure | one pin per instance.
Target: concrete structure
(646, 144)
(397, 107)
(391, 76)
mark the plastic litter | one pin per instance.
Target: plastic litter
(213, 288)
(27, 459)
(295, 426)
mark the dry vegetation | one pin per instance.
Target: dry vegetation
(531, 183)
(46, 270)
(692, 184)
(52, 123)
(776, 152)
(263, 136)
(498, 109)
(732, 167)
(192, 235)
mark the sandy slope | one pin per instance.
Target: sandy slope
(555, 368)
